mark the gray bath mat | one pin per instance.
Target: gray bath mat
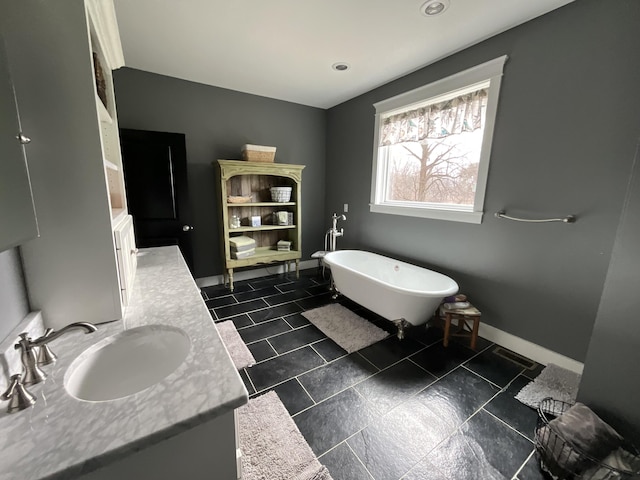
(238, 351)
(344, 327)
(554, 381)
(272, 446)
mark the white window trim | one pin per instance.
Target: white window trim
(491, 71)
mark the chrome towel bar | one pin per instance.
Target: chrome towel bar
(567, 219)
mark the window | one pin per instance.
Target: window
(432, 146)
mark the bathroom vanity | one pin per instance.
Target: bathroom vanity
(181, 427)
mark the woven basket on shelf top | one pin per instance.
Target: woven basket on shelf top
(258, 153)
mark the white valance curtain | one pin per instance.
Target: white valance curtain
(459, 114)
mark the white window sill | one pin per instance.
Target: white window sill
(450, 215)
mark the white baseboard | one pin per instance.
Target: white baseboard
(253, 273)
(528, 349)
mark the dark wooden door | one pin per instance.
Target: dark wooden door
(155, 176)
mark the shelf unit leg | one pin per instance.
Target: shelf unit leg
(297, 268)
(230, 270)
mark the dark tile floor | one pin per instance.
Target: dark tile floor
(408, 409)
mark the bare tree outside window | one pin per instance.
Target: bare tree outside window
(435, 170)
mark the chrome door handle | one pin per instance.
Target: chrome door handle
(186, 228)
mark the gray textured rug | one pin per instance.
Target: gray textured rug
(344, 327)
(272, 446)
(238, 351)
(555, 382)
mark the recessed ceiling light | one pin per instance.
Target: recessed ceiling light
(431, 8)
(340, 66)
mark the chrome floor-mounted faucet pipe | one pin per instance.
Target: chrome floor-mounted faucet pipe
(333, 231)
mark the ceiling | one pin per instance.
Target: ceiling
(285, 49)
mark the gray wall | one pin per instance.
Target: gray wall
(217, 122)
(564, 142)
(609, 382)
(14, 305)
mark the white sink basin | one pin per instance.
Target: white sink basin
(127, 363)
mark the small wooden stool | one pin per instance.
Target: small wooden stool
(462, 315)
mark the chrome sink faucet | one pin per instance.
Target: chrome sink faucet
(34, 353)
(18, 396)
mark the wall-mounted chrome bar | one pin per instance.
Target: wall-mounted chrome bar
(567, 219)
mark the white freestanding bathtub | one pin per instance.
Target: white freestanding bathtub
(396, 290)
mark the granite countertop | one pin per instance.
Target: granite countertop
(62, 437)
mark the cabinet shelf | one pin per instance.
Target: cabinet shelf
(116, 214)
(262, 228)
(111, 165)
(105, 116)
(264, 255)
(262, 204)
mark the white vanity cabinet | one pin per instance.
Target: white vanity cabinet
(126, 253)
(54, 50)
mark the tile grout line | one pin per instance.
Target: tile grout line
(292, 327)
(477, 374)
(376, 417)
(264, 322)
(505, 423)
(336, 393)
(284, 293)
(352, 451)
(515, 475)
(294, 349)
(450, 435)
(272, 348)
(295, 376)
(305, 391)
(367, 360)
(281, 333)
(318, 353)
(248, 311)
(249, 378)
(359, 459)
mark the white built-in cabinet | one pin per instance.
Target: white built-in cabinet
(82, 266)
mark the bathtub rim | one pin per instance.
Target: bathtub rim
(412, 292)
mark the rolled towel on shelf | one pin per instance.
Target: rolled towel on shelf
(460, 297)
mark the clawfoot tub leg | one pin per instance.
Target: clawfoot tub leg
(401, 323)
(335, 291)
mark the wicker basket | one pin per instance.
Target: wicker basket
(258, 153)
(563, 461)
(281, 194)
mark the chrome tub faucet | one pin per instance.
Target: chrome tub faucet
(333, 232)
